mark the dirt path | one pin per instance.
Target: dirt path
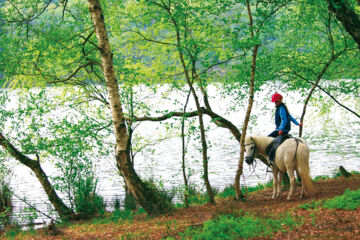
(319, 224)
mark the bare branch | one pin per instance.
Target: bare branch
(75, 72)
(152, 40)
(327, 93)
(221, 121)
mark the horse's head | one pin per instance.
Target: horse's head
(250, 150)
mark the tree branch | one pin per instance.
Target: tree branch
(327, 93)
(222, 122)
(75, 72)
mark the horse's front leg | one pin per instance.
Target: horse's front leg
(292, 184)
(281, 174)
(275, 183)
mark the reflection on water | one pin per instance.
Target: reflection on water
(328, 151)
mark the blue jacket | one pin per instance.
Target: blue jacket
(283, 118)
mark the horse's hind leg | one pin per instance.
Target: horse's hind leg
(292, 184)
(302, 194)
(275, 183)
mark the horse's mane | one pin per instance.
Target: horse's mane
(261, 141)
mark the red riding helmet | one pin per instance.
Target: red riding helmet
(276, 97)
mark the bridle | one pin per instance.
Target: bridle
(250, 159)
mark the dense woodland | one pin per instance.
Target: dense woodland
(90, 59)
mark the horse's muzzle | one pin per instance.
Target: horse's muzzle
(249, 160)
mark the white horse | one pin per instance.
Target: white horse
(292, 155)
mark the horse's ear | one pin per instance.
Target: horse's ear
(252, 139)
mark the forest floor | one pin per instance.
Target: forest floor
(316, 223)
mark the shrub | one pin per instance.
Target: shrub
(117, 203)
(160, 189)
(13, 231)
(196, 196)
(130, 202)
(87, 202)
(5, 203)
(29, 215)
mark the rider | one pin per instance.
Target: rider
(282, 117)
(282, 122)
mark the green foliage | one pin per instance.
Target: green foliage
(122, 215)
(46, 49)
(118, 216)
(312, 205)
(227, 192)
(247, 226)
(87, 202)
(230, 192)
(195, 196)
(29, 215)
(321, 177)
(13, 231)
(130, 202)
(350, 200)
(336, 174)
(73, 142)
(6, 206)
(117, 204)
(159, 187)
(5, 197)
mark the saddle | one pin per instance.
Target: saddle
(271, 149)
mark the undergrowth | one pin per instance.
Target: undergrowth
(230, 192)
(350, 200)
(246, 226)
(336, 174)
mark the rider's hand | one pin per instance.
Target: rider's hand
(281, 132)
(301, 124)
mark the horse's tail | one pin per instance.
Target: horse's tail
(302, 167)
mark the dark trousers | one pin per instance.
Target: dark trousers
(274, 134)
(271, 149)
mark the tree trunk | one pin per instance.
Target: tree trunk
(209, 189)
(239, 171)
(348, 18)
(238, 194)
(63, 211)
(309, 96)
(320, 75)
(183, 163)
(146, 196)
(344, 172)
